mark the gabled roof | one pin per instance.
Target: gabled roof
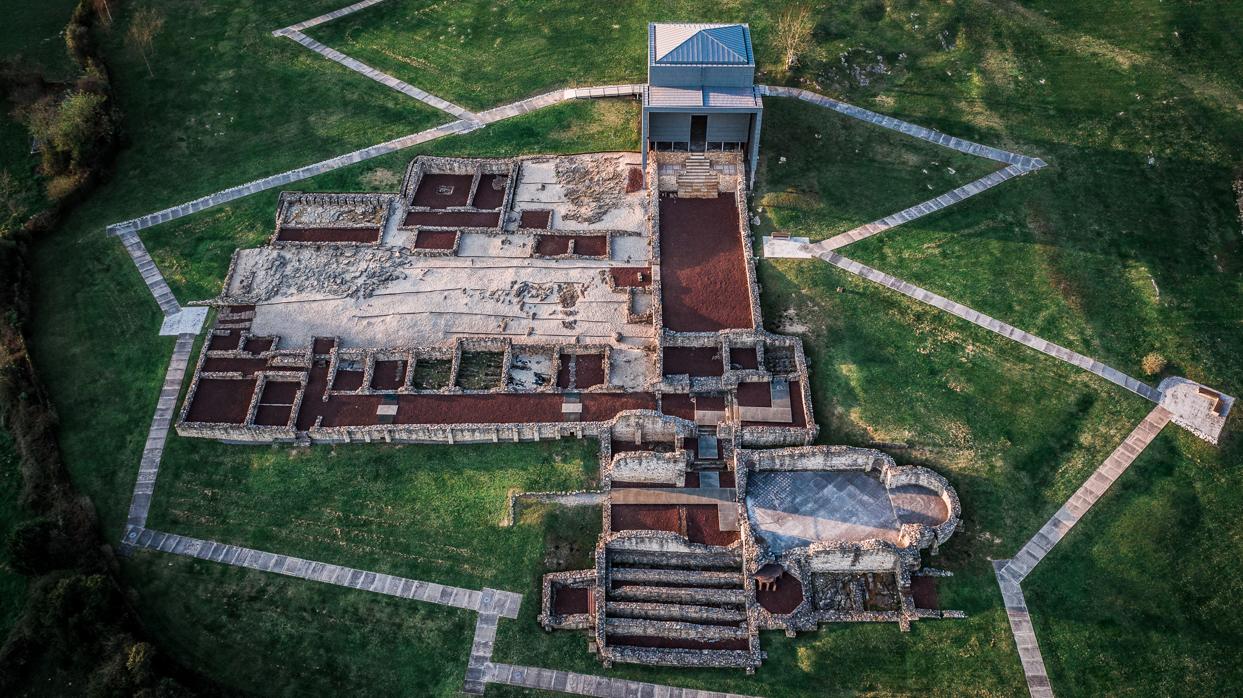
(700, 44)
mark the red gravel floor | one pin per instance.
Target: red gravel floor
(258, 345)
(279, 393)
(273, 415)
(672, 643)
(451, 219)
(247, 367)
(569, 600)
(585, 245)
(645, 517)
(796, 406)
(629, 277)
(227, 342)
(488, 197)
(427, 194)
(677, 405)
(704, 284)
(388, 375)
(744, 358)
(328, 235)
(221, 401)
(435, 239)
(703, 525)
(693, 361)
(785, 598)
(535, 218)
(924, 589)
(755, 394)
(590, 370)
(347, 380)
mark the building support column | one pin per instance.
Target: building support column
(755, 148)
(643, 144)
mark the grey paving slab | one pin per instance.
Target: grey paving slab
(151, 275)
(1089, 493)
(587, 684)
(1024, 636)
(992, 324)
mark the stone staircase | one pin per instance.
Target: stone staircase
(677, 610)
(698, 180)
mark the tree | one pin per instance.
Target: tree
(143, 29)
(794, 28)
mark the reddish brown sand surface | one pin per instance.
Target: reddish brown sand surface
(678, 405)
(703, 525)
(585, 245)
(486, 196)
(704, 284)
(535, 218)
(569, 600)
(796, 406)
(258, 345)
(221, 401)
(786, 597)
(247, 367)
(590, 370)
(279, 393)
(744, 358)
(627, 277)
(427, 194)
(388, 375)
(924, 589)
(225, 342)
(755, 394)
(328, 235)
(273, 415)
(672, 643)
(693, 361)
(347, 380)
(645, 517)
(435, 239)
(452, 219)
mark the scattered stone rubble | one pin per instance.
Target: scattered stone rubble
(593, 186)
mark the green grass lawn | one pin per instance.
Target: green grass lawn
(1127, 244)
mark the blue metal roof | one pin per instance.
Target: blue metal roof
(700, 44)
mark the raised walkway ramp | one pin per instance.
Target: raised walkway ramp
(589, 685)
(157, 435)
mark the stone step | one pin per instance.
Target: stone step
(669, 611)
(639, 627)
(688, 658)
(702, 578)
(685, 595)
(692, 561)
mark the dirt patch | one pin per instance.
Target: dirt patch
(443, 190)
(273, 415)
(256, 345)
(537, 218)
(693, 361)
(491, 191)
(589, 370)
(743, 358)
(631, 277)
(347, 380)
(583, 245)
(480, 370)
(677, 405)
(435, 239)
(431, 374)
(704, 284)
(784, 597)
(453, 219)
(388, 375)
(634, 180)
(709, 403)
(362, 235)
(221, 401)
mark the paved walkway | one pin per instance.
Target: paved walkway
(1109, 471)
(1010, 573)
(481, 646)
(335, 14)
(1024, 634)
(923, 209)
(380, 77)
(150, 273)
(921, 132)
(1009, 331)
(589, 685)
(502, 603)
(153, 451)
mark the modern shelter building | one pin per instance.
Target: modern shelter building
(701, 93)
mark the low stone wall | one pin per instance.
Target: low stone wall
(648, 466)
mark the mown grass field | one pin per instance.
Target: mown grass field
(1127, 244)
